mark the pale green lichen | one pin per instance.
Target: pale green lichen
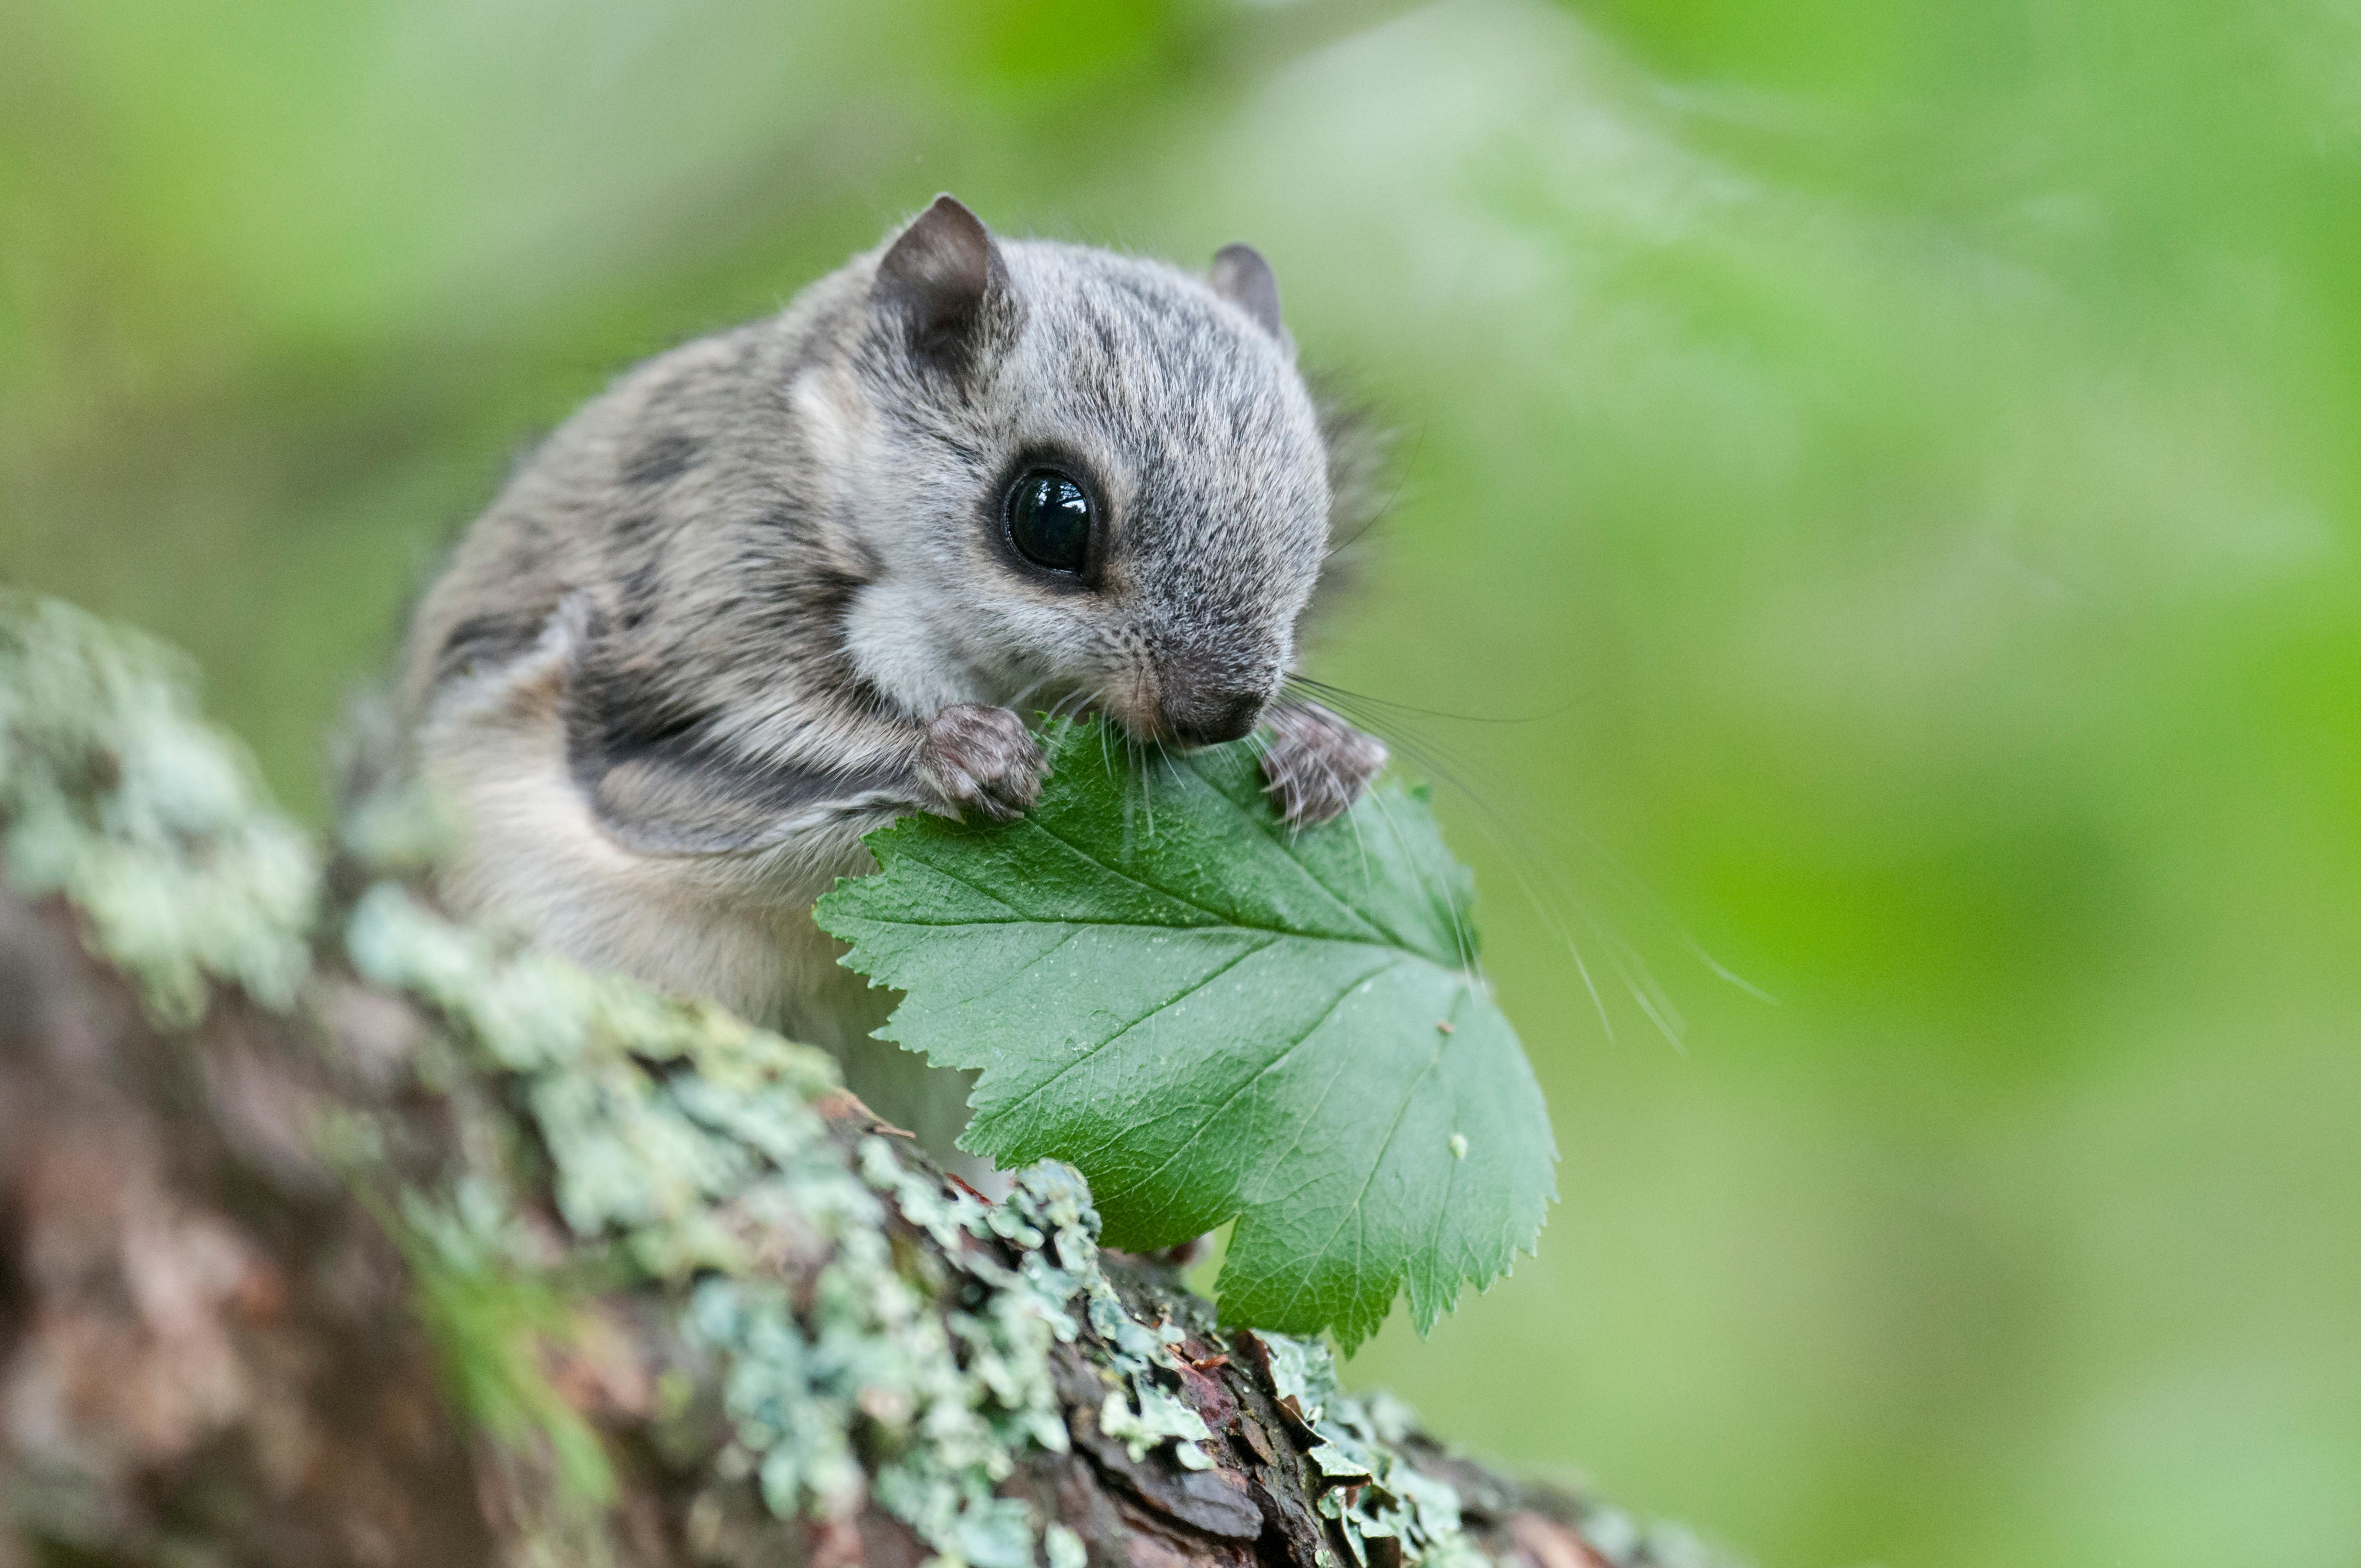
(1378, 1493)
(665, 1120)
(1064, 1547)
(1156, 1417)
(949, 1399)
(115, 793)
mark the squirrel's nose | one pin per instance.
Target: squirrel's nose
(1213, 718)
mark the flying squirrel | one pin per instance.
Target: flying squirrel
(777, 586)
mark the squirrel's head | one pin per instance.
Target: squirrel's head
(1081, 477)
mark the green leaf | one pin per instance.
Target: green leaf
(1212, 1017)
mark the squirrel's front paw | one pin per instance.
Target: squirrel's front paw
(981, 757)
(1317, 764)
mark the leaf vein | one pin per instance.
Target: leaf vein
(1001, 1112)
(1354, 1212)
(1256, 1077)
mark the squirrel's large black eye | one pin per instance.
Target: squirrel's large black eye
(1050, 520)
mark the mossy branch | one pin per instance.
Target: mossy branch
(333, 1231)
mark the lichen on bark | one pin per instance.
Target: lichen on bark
(116, 794)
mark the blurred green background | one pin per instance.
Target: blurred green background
(1880, 478)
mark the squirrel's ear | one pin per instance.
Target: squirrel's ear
(1241, 276)
(944, 283)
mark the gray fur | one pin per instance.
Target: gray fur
(756, 600)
